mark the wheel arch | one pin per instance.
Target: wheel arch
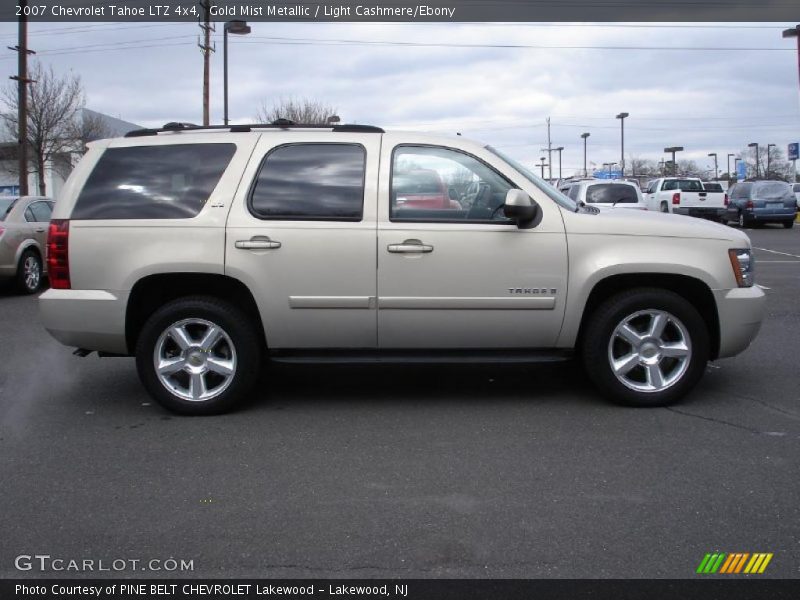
(153, 291)
(694, 290)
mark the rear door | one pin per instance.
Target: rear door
(301, 235)
(38, 217)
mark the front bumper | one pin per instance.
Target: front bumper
(741, 311)
(90, 319)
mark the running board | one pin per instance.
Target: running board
(421, 357)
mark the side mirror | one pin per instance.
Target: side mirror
(521, 208)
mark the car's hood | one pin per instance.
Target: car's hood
(608, 221)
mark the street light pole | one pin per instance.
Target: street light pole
(716, 169)
(755, 145)
(235, 27)
(729, 166)
(542, 165)
(584, 136)
(768, 147)
(794, 33)
(673, 150)
(622, 116)
(559, 149)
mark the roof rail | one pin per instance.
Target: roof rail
(174, 126)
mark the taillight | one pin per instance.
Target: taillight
(726, 199)
(58, 254)
(748, 204)
(676, 198)
(2, 230)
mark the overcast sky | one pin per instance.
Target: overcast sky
(705, 100)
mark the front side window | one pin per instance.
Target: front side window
(311, 182)
(171, 181)
(441, 184)
(610, 193)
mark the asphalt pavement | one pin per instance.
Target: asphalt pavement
(398, 471)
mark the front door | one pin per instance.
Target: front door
(301, 236)
(457, 274)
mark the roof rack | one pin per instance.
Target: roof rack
(277, 124)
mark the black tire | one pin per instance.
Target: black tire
(742, 220)
(788, 224)
(245, 347)
(25, 281)
(598, 334)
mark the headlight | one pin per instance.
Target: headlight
(742, 262)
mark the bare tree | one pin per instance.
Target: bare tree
(299, 110)
(89, 127)
(54, 103)
(779, 167)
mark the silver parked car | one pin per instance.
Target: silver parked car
(23, 238)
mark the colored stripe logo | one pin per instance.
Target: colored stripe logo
(734, 563)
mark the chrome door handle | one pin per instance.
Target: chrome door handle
(410, 247)
(40, 231)
(258, 242)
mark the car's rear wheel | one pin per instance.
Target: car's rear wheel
(29, 273)
(788, 224)
(664, 207)
(645, 347)
(743, 221)
(198, 356)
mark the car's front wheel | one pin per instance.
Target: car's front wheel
(198, 356)
(645, 347)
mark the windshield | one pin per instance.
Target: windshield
(548, 189)
(609, 193)
(6, 204)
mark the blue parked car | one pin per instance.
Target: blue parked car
(755, 202)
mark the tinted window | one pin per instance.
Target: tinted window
(712, 187)
(684, 185)
(442, 184)
(153, 182)
(574, 191)
(741, 190)
(776, 189)
(311, 182)
(41, 211)
(610, 193)
(6, 204)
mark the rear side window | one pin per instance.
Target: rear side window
(41, 211)
(609, 193)
(311, 182)
(741, 190)
(153, 182)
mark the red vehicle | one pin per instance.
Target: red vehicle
(422, 188)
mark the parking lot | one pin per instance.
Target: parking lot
(406, 471)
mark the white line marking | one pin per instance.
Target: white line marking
(779, 262)
(781, 253)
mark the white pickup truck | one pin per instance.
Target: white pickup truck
(685, 196)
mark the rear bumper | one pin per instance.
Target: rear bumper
(771, 215)
(741, 311)
(700, 211)
(91, 319)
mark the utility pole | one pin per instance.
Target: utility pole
(22, 98)
(207, 49)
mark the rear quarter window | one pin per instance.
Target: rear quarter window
(153, 182)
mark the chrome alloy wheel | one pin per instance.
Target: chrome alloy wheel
(650, 350)
(195, 359)
(32, 271)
